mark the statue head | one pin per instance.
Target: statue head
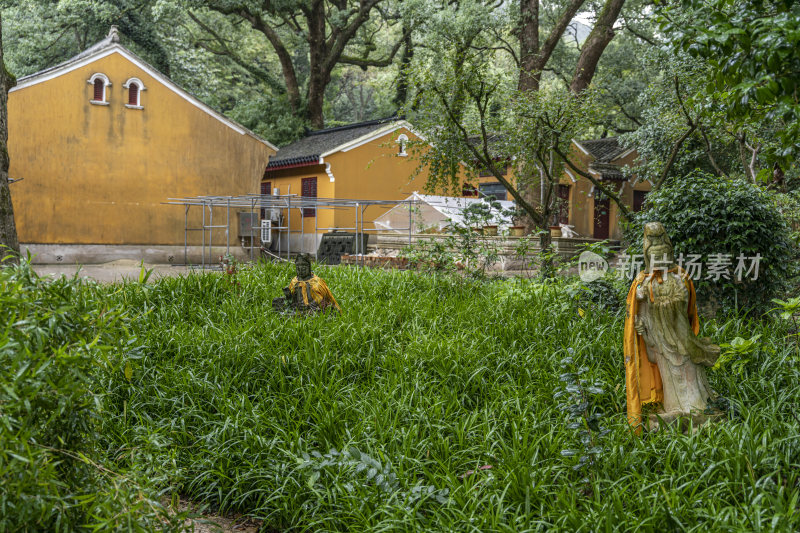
(657, 246)
(302, 265)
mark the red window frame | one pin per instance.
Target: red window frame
(99, 86)
(133, 94)
(308, 188)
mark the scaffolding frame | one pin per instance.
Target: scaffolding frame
(284, 203)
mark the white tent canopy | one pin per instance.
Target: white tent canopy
(436, 213)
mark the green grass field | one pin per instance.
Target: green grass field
(372, 420)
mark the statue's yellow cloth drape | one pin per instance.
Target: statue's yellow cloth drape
(318, 290)
(642, 378)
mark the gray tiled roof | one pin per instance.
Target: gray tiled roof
(309, 148)
(608, 171)
(603, 150)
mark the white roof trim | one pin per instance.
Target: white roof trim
(571, 175)
(96, 76)
(137, 81)
(364, 139)
(584, 150)
(118, 49)
(624, 154)
(371, 136)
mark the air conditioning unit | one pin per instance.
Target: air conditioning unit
(266, 231)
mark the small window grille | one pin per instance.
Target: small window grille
(309, 190)
(495, 189)
(99, 89)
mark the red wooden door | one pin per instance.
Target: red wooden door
(638, 200)
(601, 218)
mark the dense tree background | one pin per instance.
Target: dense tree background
(279, 68)
(709, 85)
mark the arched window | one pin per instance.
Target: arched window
(133, 94)
(135, 88)
(99, 82)
(402, 140)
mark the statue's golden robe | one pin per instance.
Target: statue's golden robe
(642, 378)
(316, 289)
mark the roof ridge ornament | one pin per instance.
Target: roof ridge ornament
(113, 34)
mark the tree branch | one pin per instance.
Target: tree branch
(595, 45)
(225, 50)
(365, 62)
(339, 38)
(672, 156)
(285, 59)
(486, 160)
(621, 106)
(710, 155)
(638, 35)
(677, 146)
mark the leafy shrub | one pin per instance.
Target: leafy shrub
(606, 293)
(706, 215)
(57, 337)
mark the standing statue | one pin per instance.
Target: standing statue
(665, 360)
(306, 293)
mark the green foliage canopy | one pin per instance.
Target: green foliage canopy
(705, 214)
(754, 47)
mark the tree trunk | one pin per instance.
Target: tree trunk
(595, 45)
(318, 76)
(401, 95)
(316, 101)
(530, 69)
(8, 229)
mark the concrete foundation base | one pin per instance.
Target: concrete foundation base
(92, 254)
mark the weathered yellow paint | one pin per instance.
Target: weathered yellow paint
(371, 171)
(374, 171)
(289, 181)
(581, 213)
(98, 174)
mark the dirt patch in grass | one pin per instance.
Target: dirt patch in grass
(206, 521)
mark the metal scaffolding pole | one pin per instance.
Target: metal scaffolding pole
(289, 229)
(252, 208)
(285, 203)
(410, 225)
(360, 237)
(302, 230)
(186, 235)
